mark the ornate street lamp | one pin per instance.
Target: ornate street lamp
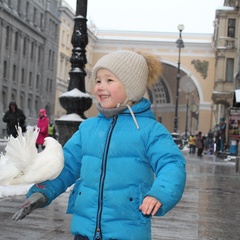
(187, 107)
(180, 44)
(76, 101)
(187, 85)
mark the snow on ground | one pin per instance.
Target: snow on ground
(185, 148)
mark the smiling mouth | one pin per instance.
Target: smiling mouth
(104, 96)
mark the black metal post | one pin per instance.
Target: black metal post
(76, 100)
(187, 107)
(180, 45)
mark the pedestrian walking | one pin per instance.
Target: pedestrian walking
(42, 124)
(200, 144)
(209, 143)
(14, 117)
(125, 164)
(222, 134)
(51, 130)
(192, 144)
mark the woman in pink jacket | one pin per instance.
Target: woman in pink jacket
(42, 124)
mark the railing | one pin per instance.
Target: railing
(226, 43)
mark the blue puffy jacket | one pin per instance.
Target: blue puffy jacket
(115, 165)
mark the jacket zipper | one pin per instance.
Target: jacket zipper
(98, 233)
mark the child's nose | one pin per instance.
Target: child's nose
(101, 86)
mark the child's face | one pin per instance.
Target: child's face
(109, 91)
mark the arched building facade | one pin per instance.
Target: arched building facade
(197, 69)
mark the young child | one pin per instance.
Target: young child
(125, 165)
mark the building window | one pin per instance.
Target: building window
(32, 50)
(63, 37)
(14, 73)
(13, 96)
(30, 105)
(22, 101)
(37, 81)
(41, 21)
(229, 69)
(7, 36)
(49, 85)
(159, 93)
(35, 17)
(36, 104)
(39, 54)
(27, 11)
(5, 69)
(68, 41)
(49, 59)
(4, 99)
(9, 4)
(24, 46)
(231, 27)
(19, 7)
(22, 79)
(53, 56)
(16, 42)
(30, 79)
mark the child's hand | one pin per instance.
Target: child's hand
(150, 206)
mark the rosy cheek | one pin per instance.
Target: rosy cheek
(95, 91)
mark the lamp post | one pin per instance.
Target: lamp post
(180, 45)
(187, 107)
(76, 101)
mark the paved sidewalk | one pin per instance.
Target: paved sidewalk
(209, 209)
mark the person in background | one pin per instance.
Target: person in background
(14, 117)
(222, 134)
(125, 164)
(200, 144)
(192, 144)
(51, 130)
(42, 124)
(209, 145)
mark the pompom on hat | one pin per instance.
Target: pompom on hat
(136, 71)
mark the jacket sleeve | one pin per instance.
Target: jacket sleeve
(21, 117)
(6, 118)
(43, 125)
(69, 174)
(168, 164)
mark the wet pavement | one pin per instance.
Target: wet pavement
(208, 210)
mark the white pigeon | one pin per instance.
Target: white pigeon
(22, 164)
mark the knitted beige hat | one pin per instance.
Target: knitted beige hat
(132, 69)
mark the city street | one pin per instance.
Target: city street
(209, 209)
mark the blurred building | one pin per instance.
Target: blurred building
(64, 53)
(197, 66)
(35, 73)
(29, 33)
(227, 67)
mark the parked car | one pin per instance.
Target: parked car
(178, 140)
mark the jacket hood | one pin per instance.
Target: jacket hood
(43, 111)
(12, 103)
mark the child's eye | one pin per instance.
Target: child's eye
(110, 80)
(97, 81)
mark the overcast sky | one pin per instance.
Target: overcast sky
(153, 15)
